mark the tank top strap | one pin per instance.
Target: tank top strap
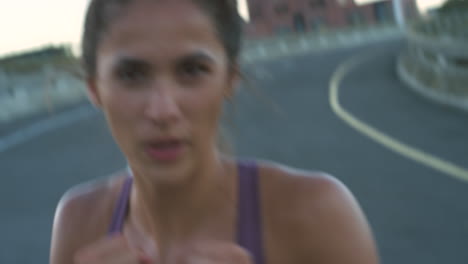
(120, 211)
(249, 225)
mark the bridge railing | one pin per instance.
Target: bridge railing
(293, 43)
(43, 90)
(50, 87)
(436, 61)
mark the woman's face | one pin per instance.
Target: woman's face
(162, 75)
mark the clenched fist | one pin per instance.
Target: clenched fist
(213, 252)
(111, 250)
(115, 250)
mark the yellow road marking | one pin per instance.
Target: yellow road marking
(387, 141)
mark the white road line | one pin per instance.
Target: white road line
(389, 142)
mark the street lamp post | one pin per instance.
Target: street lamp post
(398, 13)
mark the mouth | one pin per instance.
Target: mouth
(167, 150)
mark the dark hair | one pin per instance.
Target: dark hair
(101, 13)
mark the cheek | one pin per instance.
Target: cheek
(116, 99)
(204, 107)
(120, 108)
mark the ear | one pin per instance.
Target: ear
(93, 92)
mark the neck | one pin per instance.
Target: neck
(202, 205)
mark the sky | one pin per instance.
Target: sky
(29, 24)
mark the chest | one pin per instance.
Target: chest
(273, 251)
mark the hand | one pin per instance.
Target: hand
(111, 250)
(214, 252)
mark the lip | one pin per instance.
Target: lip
(165, 150)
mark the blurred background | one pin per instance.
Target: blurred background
(373, 92)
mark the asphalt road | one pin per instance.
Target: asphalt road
(417, 214)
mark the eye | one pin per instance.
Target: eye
(194, 70)
(131, 74)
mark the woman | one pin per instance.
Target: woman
(160, 71)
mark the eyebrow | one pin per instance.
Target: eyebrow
(140, 63)
(133, 62)
(199, 55)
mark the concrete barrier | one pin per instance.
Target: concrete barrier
(435, 63)
(22, 95)
(257, 50)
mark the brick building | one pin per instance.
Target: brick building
(268, 17)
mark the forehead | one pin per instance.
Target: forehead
(154, 29)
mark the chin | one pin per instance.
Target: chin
(176, 172)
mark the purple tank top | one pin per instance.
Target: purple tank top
(249, 228)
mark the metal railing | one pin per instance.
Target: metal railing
(23, 94)
(289, 44)
(436, 60)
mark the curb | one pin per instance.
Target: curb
(282, 47)
(413, 83)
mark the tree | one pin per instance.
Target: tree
(454, 5)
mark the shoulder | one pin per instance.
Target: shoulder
(302, 187)
(317, 215)
(82, 216)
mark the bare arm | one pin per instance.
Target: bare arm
(65, 239)
(335, 230)
(80, 218)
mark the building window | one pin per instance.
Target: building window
(317, 3)
(382, 12)
(356, 18)
(281, 9)
(317, 23)
(299, 22)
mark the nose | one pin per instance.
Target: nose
(162, 108)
